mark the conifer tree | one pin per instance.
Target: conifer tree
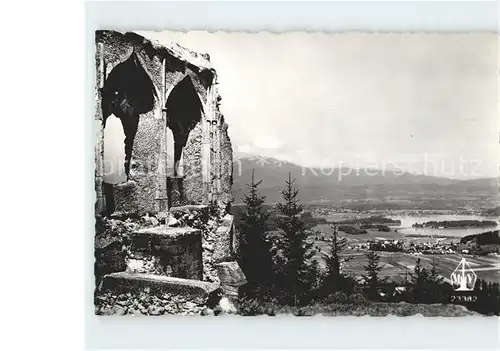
(255, 249)
(420, 281)
(419, 275)
(372, 278)
(334, 279)
(477, 289)
(295, 270)
(406, 280)
(435, 290)
(484, 285)
(315, 278)
(434, 277)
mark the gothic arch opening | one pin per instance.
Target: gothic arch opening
(127, 93)
(184, 111)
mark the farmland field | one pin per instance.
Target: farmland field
(396, 264)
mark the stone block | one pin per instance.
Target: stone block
(223, 239)
(231, 277)
(129, 282)
(179, 249)
(230, 273)
(124, 197)
(193, 160)
(175, 191)
(226, 168)
(109, 257)
(230, 291)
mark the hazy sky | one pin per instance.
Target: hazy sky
(425, 103)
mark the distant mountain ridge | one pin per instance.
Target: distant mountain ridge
(346, 184)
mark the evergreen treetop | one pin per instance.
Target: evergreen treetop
(255, 249)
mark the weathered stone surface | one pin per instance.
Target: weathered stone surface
(198, 237)
(100, 204)
(231, 277)
(200, 211)
(144, 264)
(130, 282)
(125, 195)
(175, 191)
(179, 249)
(147, 302)
(145, 157)
(118, 46)
(223, 236)
(235, 243)
(230, 291)
(192, 161)
(225, 197)
(114, 48)
(230, 273)
(207, 154)
(166, 232)
(138, 195)
(109, 257)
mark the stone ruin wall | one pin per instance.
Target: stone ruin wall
(207, 156)
(207, 170)
(137, 196)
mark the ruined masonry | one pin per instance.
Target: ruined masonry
(168, 225)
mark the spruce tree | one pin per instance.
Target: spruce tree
(482, 303)
(315, 277)
(255, 249)
(334, 279)
(295, 271)
(419, 275)
(434, 277)
(372, 278)
(435, 288)
(484, 286)
(420, 280)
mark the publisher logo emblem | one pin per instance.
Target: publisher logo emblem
(463, 277)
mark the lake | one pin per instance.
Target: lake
(407, 222)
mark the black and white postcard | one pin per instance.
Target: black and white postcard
(297, 173)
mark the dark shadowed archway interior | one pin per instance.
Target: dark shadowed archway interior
(128, 92)
(184, 111)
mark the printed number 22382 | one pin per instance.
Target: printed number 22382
(463, 298)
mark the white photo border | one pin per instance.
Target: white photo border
(235, 332)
